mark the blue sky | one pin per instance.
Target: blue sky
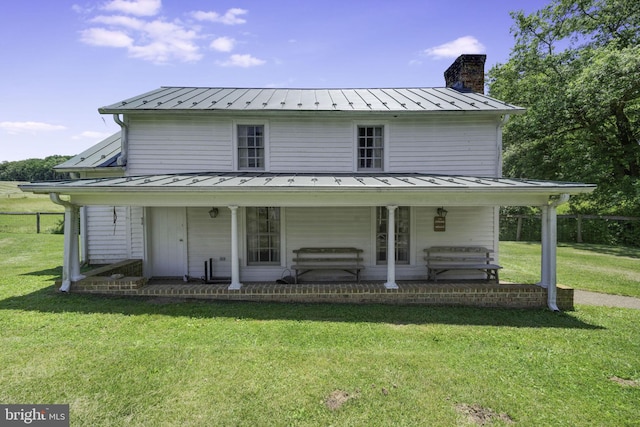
(63, 59)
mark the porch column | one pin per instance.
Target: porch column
(84, 249)
(391, 248)
(235, 258)
(544, 237)
(549, 249)
(71, 261)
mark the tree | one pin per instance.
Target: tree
(575, 66)
(33, 169)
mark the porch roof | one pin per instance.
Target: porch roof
(104, 154)
(215, 182)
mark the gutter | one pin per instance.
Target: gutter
(55, 198)
(124, 141)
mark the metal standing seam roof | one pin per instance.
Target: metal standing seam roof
(354, 100)
(247, 181)
(102, 155)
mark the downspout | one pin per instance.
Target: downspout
(503, 121)
(124, 141)
(496, 209)
(71, 263)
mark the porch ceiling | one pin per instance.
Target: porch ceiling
(307, 189)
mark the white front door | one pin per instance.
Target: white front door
(167, 237)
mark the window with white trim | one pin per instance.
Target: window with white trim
(370, 148)
(263, 236)
(402, 234)
(251, 150)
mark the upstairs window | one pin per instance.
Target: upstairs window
(370, 148)
(251, 147)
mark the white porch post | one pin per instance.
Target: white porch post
(551, 254)
(71, 261)
(544, 256)
(235, 257)
(549, 248)
(84, 250)
(391, 248)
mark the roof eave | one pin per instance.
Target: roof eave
(71, 190)
(71, 169)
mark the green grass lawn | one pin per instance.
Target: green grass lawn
(142, 362)
(14, 200)
(599, 268)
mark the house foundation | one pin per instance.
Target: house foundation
(122, 280)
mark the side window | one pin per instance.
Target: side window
(263, 236)
(401, 236)
(251, 147)
(370, 148)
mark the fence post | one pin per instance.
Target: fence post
(38, 222)
(519, 229)
(579, 236)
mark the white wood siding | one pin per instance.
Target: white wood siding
(209, 238)
(308, 145)
(136, 224)
(465, 226)
(113, 238)
(445, 145)
(179, 144)
(334, 227)
(441, 144)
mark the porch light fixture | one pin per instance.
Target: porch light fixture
(213, 212)
(442, 212)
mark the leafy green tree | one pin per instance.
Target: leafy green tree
(33, 169)
(575, 66)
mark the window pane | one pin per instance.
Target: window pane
(370, 147)
(402, 233)
(263, 236)
(250, 147)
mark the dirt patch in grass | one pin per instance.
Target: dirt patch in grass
(478, 415)
(337, 398)
(628, 383)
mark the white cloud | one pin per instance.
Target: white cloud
(455, 48)
(223, 44)
(29, 127)
(168, 41)
(231, 17)
(156, 41)
(130, 25)
(120, 21)
(244, 61)
(104, 37)
(135, 7)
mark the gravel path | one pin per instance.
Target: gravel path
(595, 298)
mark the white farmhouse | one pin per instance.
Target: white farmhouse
(245, 177)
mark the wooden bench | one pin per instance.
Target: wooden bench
(445, 258)
(344, 259)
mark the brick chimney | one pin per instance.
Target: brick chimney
(466, 74)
